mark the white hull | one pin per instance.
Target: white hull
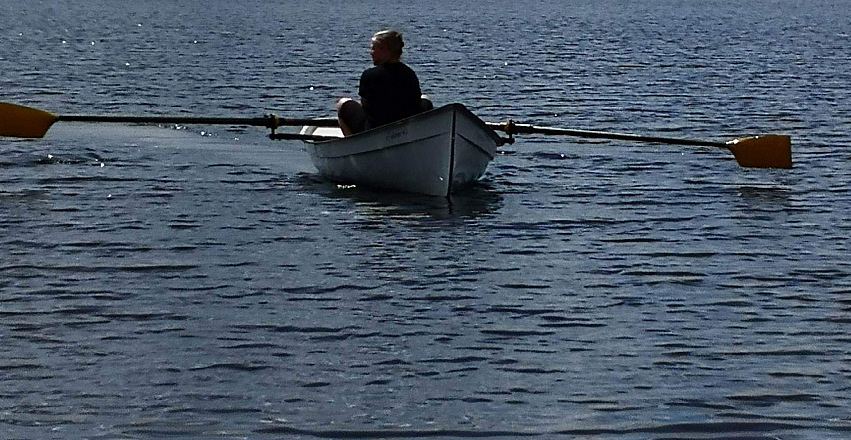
(433, 153)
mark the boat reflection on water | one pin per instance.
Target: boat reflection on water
(477, 199)
(772, 195)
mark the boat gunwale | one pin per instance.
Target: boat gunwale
(369, 151)
(317, 144)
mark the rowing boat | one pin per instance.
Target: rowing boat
(433, 153)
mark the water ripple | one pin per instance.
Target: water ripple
(202, 281)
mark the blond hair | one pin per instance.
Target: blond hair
(390, 39)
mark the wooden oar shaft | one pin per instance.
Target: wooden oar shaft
(261, 122)
(764, 151)
(533, 129)
(269, 121)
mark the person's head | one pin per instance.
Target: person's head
(386, 46)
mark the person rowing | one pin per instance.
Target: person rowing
(389, 91)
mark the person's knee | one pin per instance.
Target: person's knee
(341, 102)
(351, 115)
(425, 103)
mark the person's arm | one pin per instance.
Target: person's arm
(366, 86)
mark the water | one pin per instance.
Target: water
(203, 282)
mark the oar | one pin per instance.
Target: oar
(21, 121)
(765, 151)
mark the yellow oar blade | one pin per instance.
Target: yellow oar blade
(767, 151)
(20, 121)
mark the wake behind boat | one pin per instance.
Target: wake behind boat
(433, 153)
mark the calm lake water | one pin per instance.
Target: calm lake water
(203, 282)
